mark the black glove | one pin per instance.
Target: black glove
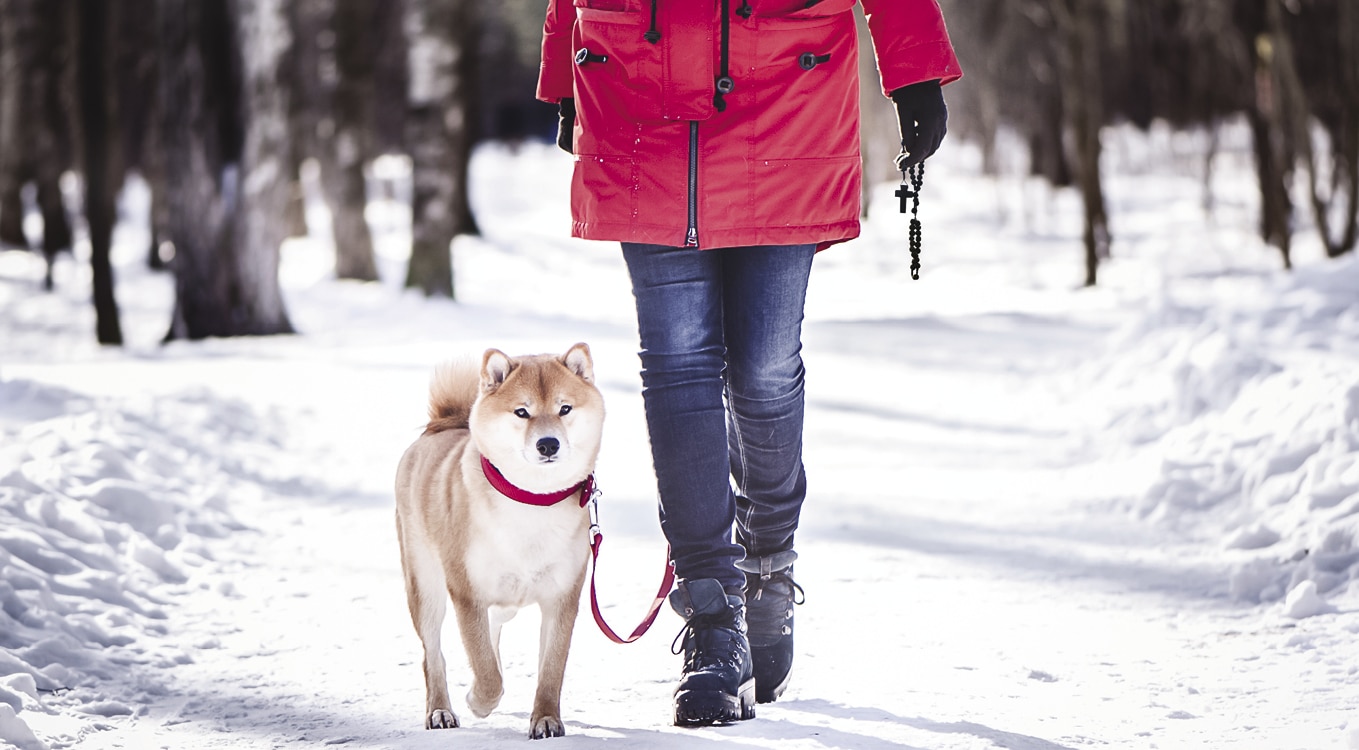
(566, 123)
(923, 119)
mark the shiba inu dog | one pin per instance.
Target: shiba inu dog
(518, 426)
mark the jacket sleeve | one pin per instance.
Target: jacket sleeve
(555, 72)
(910, 42)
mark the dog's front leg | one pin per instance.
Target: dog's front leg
(554, 642)
(488, 686)
(426, 599)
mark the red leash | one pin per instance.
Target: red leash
(668, 580)
(588, 497)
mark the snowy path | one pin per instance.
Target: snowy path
(956, 576)
(974, 577)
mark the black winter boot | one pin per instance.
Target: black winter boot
(717, 685)
(771, 593)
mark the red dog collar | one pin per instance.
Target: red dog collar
(506, 488)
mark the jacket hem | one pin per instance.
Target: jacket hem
(821, 235)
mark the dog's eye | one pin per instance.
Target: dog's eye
(521, 412)
(566, 409)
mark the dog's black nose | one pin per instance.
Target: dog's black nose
(547, 447)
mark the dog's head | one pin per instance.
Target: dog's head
(539, 418)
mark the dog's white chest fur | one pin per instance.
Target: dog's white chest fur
(524, 554)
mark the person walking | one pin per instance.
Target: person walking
(718, 141)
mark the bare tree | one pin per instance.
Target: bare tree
(137, 75)
(11, 204)
(1270, 120)
(96, 86)
(438, 135)
(1327, 76)
(35, 140)
(226, 142)
(332, 117)
(350, 146)
(1077, 23)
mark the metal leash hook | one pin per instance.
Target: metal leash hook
(912, 180)
(593, 505)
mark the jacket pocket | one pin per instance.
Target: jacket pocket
(617, 72)
(803, 72)
(621, 6)
(796, 9)
(806, 67)
(805, 192)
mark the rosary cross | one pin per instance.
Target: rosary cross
(905, 194)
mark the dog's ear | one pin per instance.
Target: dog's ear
(495, 367)
(578, 360)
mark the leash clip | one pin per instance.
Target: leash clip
(593, 506)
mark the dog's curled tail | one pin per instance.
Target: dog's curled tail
(452, 390)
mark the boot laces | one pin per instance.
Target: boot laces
(715, 652)
(771, 604)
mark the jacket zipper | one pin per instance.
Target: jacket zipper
(691, 237)
(724, 84)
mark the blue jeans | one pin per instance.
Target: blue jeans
(722, 383)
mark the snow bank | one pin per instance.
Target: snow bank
(1251, 393)
(106, 511)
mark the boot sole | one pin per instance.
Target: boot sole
(696, 708)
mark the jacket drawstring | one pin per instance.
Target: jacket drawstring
(652, 35)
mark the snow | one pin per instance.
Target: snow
(1303, 601)
(1042, 517)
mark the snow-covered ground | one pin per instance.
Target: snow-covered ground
(1041, 517)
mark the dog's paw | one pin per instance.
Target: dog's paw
(547, 726)
(441, 719)
(483, 705)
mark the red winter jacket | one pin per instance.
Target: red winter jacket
(663, 157)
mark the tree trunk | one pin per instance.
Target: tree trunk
(11, 211)
(1273, 140)
(34, 134)
(138, 111)
(226, 143)
(99, 139)
(11, 207)
(1271, 171)
(350, 146)
(11, 203)
(468, 33)
(309, 105)
(437, 137)
(1082, 92)
(392, 78)
(1341, 121)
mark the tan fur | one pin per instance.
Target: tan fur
(452, 391)
(462, 540)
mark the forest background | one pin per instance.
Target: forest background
(220, 105)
